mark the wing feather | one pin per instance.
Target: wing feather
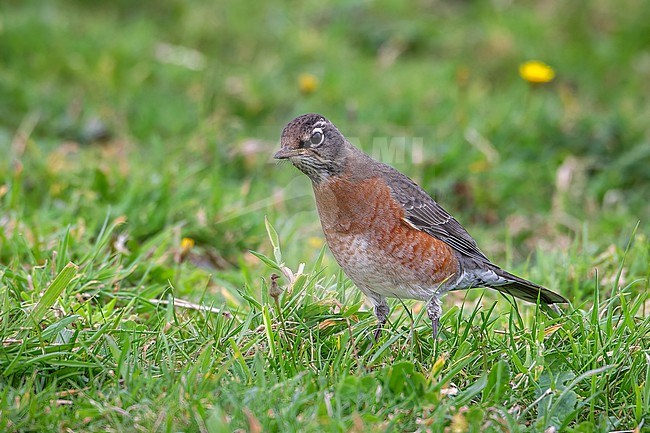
(427, 215)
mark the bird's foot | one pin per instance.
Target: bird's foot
(378, 331)
(435, 323)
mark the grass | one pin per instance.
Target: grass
(136, 267)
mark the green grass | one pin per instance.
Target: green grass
(125, 128)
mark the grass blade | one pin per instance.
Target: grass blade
(53, 292)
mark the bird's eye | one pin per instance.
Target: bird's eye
(317, 137)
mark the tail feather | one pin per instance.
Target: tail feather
(526, 290)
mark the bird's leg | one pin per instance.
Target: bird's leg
(381, 311)
(434, 310)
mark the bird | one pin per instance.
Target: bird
(390, 237)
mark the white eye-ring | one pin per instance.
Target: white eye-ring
(317, 137)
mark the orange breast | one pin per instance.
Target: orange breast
(367, 234)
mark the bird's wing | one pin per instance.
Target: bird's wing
(428, 216)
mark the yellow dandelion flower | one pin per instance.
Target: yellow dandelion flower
(186, 245)
(55, 189)
(307, 83)
(315, 242)
(536, 72)
(479, 166)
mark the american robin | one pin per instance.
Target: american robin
(389, 236)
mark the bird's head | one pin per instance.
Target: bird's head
(314, 145)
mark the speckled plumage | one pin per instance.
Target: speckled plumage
(389, 236)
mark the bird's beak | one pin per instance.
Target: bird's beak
(285, 153)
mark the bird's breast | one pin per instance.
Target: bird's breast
(366, 231)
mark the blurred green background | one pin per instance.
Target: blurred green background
(161, 109)
(163, 116)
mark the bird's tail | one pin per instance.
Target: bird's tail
(526, 290)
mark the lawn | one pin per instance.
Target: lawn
(142, 215)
